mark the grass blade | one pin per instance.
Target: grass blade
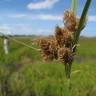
(82, 20)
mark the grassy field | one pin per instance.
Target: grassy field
(23, 73)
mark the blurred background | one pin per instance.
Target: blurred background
(39, 17)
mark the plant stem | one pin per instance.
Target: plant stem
(74, 6)
(82, 20)
(68, 70)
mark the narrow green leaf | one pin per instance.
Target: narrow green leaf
(82, 20)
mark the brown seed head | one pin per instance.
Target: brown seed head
(70, 20)
(68, 38)
(61, 47)
(59, 36)
(65, 55)
(53, 48)
(48, 49)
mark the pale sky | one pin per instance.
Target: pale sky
(40, 17)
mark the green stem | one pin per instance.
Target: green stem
(68, 70)
(74, 6)
(82, 20)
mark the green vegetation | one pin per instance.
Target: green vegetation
(22, 73)
(82, 22)
(74, 6)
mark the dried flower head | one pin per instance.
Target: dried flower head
(48, 49)
(61, 47)
(68, 38)
(59, 36)
(44, 44)
(54, 48)
(70, 20)
(65, 55)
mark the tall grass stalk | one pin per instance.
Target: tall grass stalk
(74, 6)
(68, 66)
(80, 27)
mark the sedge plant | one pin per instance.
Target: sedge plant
(62, 46)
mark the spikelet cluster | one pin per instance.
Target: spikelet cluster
(48, 49)
(65, 55)
(61, 46)
(70, 21)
